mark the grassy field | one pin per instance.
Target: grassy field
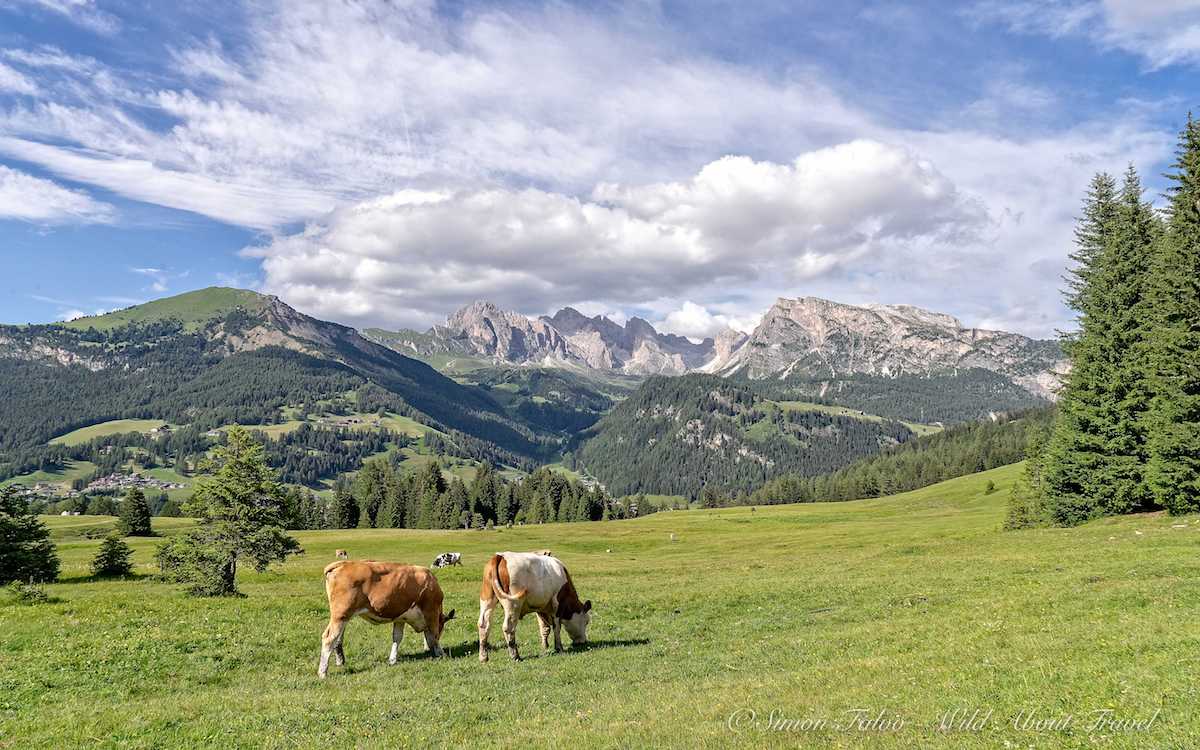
(192, 309)
(910, 606)
(104, 429)
(74, 528)
(65, 476)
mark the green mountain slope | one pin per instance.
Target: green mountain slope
(217, 357)
(191, 309)
(676, 436)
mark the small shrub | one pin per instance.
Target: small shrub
(113, 558)
(991, 487)
(28, 593)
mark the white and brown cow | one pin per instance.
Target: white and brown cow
(525, 582)
(381, 592)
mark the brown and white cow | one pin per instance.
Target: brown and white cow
(381, 592)
(525, 582)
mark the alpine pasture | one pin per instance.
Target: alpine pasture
(861, 624)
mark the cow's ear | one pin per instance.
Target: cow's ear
(450, 616)
(587, 606)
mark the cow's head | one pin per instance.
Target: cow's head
(577, 624)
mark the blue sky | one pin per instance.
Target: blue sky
(382, 163)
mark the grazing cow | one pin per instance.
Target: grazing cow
(524, 582)
(341, 554)
(447, 558)
(381, 592)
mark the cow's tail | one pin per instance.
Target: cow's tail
(494, 570)
(330, 569)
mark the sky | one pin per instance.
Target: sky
(382, 163)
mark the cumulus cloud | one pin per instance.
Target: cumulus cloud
(737, 222)
(33, 199)
(697, 322)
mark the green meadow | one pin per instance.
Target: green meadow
(828, 625)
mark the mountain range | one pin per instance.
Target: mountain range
(805, 338)
(814, 386)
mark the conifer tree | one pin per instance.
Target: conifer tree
(1092, 464)
(345, 507)
(1173, 421)
(26, 552)
(241, 509)
(135, 515)
(113, 558)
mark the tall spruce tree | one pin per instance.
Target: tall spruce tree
(1173, 422)
(1094, 461)
(1076, 448)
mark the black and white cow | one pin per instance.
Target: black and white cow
(447, 559)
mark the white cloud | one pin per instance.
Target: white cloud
(1163, 32)
(49, 57)
(547, 155)
(80, 12)
(29, 198)
(13, 81)
(737, 221)
(697, 322)
(72, 314)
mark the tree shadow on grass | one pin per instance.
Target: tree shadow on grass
(130, 577)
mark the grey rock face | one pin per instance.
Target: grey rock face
(818, 338)
(808, 337)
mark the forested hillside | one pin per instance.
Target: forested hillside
(958, 451)
(244, 365)
(679, 435)
(947, 397)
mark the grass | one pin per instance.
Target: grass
(65, 476)
(193, 309)
(911, 606)
(104, 429)
(63, 528)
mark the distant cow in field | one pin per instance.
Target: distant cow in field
(341, 554)
(447, 559)
(524, 582)
(381, 592)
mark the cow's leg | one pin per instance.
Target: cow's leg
(397, 634)
(545, 622)
(558, 635)
(485, 624)
(511, 617)
(331, 641)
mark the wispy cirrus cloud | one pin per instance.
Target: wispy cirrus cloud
(1162, 32)
(83, 13)
(40, 201)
